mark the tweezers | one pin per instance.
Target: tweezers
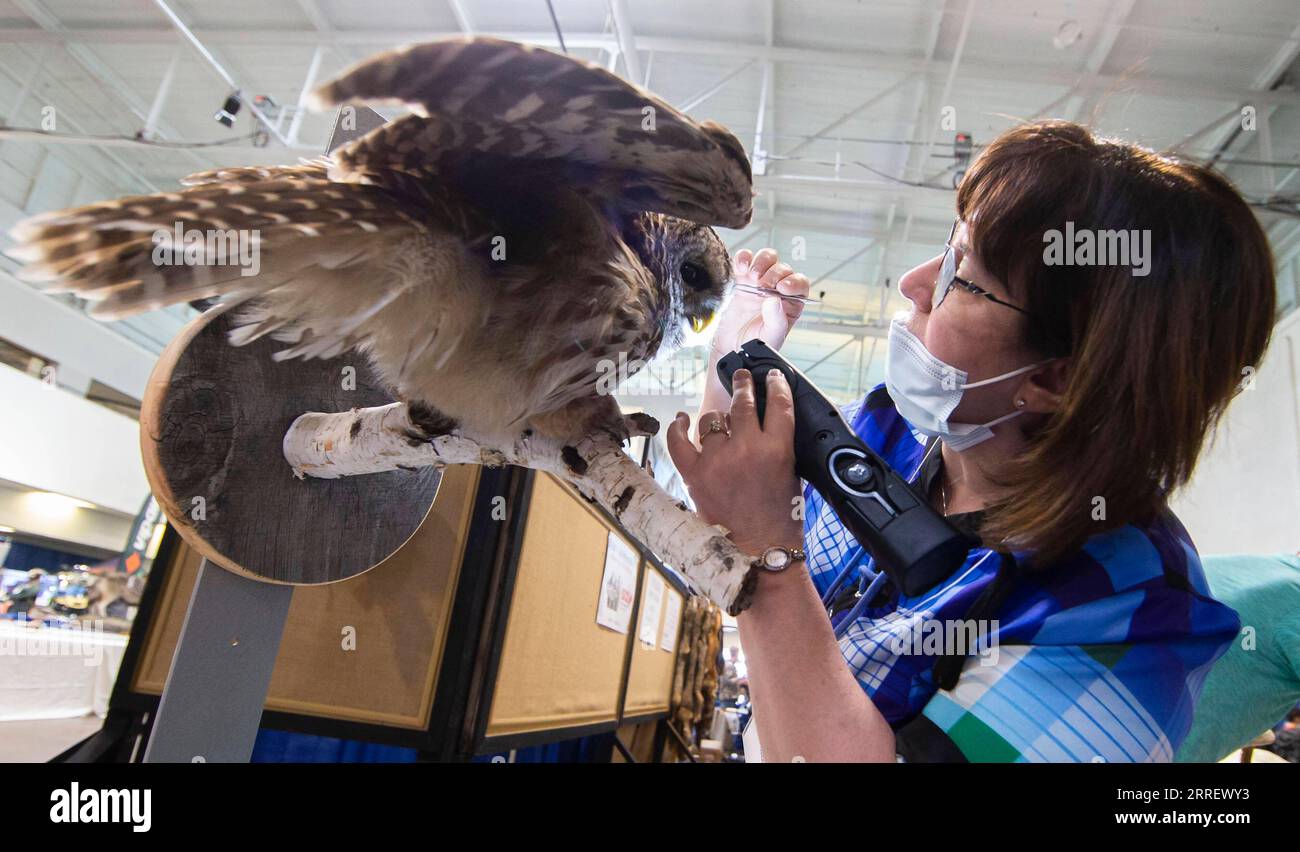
(767, 291)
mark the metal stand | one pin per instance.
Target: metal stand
(212, 703)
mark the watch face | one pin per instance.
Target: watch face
(775, 558)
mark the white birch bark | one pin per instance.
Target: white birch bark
(373, 440)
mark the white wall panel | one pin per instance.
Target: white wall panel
(1245, 494)
(54, 441)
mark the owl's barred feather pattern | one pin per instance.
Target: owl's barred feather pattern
(534, 219)
(512, 101)
(105, 251)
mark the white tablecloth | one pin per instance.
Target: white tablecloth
(53, 673)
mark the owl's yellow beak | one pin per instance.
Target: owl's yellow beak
(698, 324)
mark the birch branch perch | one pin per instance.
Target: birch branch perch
(385, 438)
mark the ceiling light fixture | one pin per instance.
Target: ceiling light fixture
(51, 502)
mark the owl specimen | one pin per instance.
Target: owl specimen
(532, 218)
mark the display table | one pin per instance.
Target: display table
(54, 673)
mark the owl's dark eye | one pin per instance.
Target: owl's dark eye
(693, 276)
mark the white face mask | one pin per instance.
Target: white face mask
(926, 390)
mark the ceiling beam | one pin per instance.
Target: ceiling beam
(755, 228)
(102, 141)
(861, 60)
(845, 227)
(150, 130)
(1259, 88)
(713, 88)
(766, 95)
(867, 104)
(1111, 28)
(203, 51)
(946, 95)
(808, 322)
(102, 146)
(308, 84)
(461, 14)
(878, 275)
(853, 187)
(758, 153)
(1195, 136)
(843, 263)
(102, 74)
(315, 15)
(626, 39)
(28, 81)
(1050, 110)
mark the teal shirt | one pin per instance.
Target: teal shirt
(1253, 685)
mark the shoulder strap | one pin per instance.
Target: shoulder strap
(948, 667)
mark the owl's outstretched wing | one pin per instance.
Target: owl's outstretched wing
(560, 118)
(292, 220)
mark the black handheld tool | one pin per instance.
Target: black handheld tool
(914, 545)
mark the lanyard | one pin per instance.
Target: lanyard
(863, 598)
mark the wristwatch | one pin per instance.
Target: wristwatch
(779, 558)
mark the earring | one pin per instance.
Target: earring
(1020, 403)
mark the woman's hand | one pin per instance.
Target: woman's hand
(742, 475)
(749, 315)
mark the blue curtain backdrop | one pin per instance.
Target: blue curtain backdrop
(25, 557)
(594, 749)
(284, 747)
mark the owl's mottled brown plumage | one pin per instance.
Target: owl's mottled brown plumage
(599, 195)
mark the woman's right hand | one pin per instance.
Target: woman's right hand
(750, 315)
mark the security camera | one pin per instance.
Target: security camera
(230, 109)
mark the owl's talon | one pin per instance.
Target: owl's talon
(640, 424)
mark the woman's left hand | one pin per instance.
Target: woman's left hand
(742, 474)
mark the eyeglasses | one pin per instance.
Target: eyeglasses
(948, 278)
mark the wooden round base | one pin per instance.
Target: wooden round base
(211, 427)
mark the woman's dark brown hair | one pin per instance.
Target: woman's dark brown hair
(1155, 359)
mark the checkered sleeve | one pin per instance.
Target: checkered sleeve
(1053, 703)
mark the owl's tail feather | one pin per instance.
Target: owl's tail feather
(253, 231)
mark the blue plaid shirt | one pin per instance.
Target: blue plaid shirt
(1099, 657)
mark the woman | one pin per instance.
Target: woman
(1047, 409)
